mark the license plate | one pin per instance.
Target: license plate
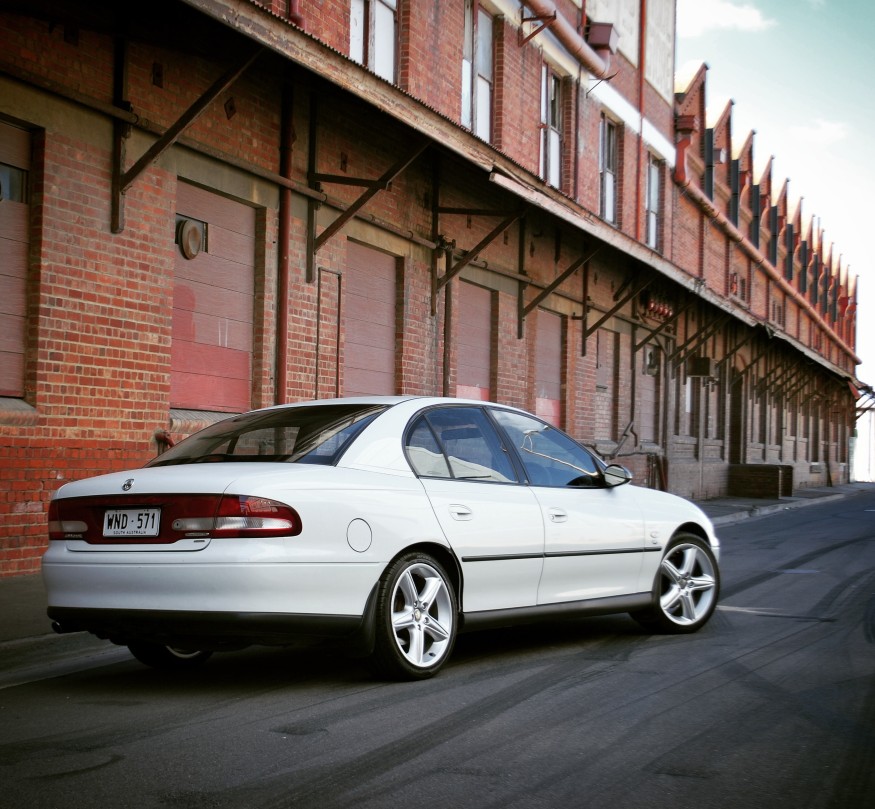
(131, 522)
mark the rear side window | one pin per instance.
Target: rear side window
(458, 442)
(314, 435)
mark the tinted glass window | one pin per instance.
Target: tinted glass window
(550, 457)
(315, 435)
(462, 443)
(426, 457)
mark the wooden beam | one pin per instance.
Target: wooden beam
(475, 251)
(188, 118)
(374, 188)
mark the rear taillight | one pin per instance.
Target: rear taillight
(181, 517)
(63, 528)
(245, 516)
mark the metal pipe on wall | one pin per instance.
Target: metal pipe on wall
(287, 139)
(567, 34)
(338, 328)
(295, 13)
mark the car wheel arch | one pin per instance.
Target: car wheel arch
(685, 597)
(691, 528)
(443, 555)
(364, 644)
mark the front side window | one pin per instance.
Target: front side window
(477, 71)
(551, 127)
(608, 169)
(458, 442)
(373, 34)
(550, 457)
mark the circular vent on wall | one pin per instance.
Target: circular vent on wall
(190, 237)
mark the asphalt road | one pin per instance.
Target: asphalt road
(771, 705)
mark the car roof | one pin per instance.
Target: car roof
(387, 401)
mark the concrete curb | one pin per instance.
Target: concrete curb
(748, 512)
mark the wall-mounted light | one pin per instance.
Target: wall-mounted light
(190, 236)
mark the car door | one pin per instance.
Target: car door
(594, 534)
(492, 521)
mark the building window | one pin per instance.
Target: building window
(778, 314)
(551, 127)
(652, 213)
(373, 33)
(477, 71)
(735, 190)
(608, 170)
(13, 183)
(774, 226)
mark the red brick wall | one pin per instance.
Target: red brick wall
(99, 304)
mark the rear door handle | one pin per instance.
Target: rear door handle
(460, 512)
(557, 515)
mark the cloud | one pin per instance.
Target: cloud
(820, 132)
(696, 17)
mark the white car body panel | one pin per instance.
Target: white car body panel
(233, 586)
(497, 520)
(664, 514)
(507, 546)
(316, 572)
(594, 543)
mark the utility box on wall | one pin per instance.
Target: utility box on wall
(701, 366)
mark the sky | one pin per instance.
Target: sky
(800, 75)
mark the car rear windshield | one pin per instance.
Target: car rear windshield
(317, 434)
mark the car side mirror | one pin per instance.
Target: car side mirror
(616, 475)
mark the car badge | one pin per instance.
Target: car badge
(126, 486)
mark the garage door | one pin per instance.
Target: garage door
(14, 167)
(213, 302)
(474, 354)
(548, 368)
(368, 322)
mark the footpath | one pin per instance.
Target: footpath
(23, 600)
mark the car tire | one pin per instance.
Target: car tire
(167, 657)
(416, 619)
(685, 589)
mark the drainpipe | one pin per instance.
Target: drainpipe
(596, 62)
(686, 126)
(295, 16)
(287, 138)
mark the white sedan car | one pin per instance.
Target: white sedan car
(387, 525)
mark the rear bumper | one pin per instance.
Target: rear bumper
(214, 630)
(180, 584)
(187, 601)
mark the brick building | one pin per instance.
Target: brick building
(215, 205)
